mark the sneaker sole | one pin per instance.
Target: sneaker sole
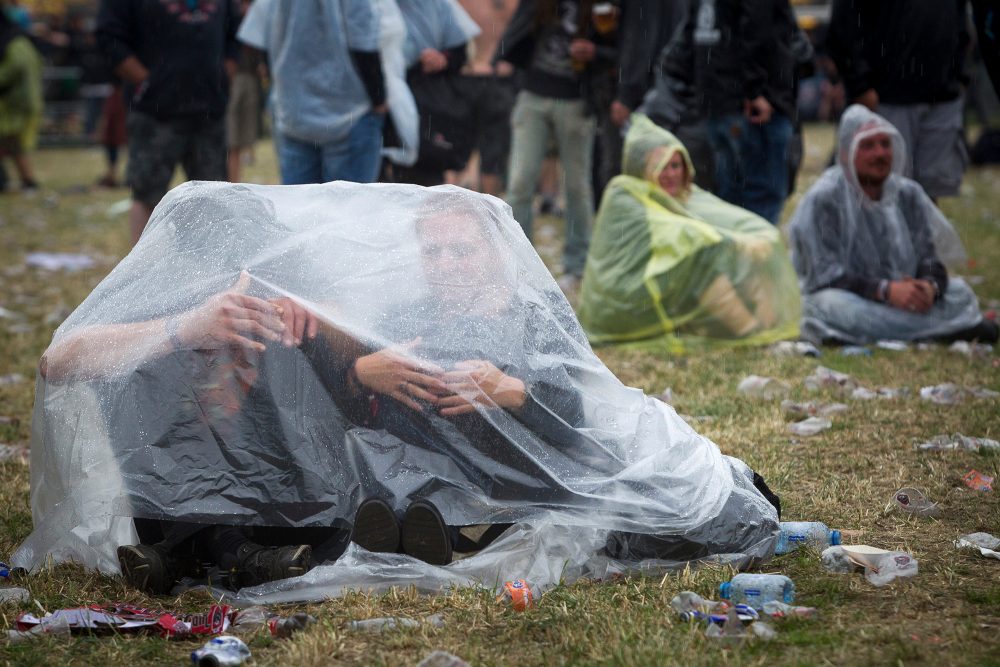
(139, 571)
(425, 535)
(375, 527)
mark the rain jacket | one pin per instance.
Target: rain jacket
(695, 267)
(135, 420)
(910, 51)
(843, 241)
(20, 90)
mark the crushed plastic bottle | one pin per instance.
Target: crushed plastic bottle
(855, 351)
(809, 426)
(55, 627)
(891, 566)
(388, 623)
(442, 659)
(795, 534)
(733, 631)
(253, 618)
(224, 651)
(826, 378)
(836, 560)
(913, 501)
(788, 348)
(947, 443)
(952, 394)
(811, 409)
(756, 589)
(13, 594)
(776, 609)
(763, 387)
(987, 545)
(692, 607)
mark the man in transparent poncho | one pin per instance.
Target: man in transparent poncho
(422, 366)
(868, 244)
(670, 259)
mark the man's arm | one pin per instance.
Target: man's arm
(116, 35)
(361, 25)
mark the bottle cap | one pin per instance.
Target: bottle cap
(724, 589)
(834, 538)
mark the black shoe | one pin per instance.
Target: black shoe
(376, 527)
(426, 536)
(147, 567)
(257, 564)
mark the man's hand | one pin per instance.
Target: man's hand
(432, 61)
(916, 296)
(480, 382)
(582, 50)
(869, 98)
(758, 110)
(396, 374)
(230, 320)
(298, 321)
(619, 113)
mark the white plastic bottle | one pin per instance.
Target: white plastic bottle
(795, 534)
(756, 589)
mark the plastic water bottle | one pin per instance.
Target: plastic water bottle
(756, 589)
(795, 534)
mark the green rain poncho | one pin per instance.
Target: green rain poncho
(691, 268)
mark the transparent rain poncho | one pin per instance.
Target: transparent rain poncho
(838, 230)
(147, 406)
(691, 267)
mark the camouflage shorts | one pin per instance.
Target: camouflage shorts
(155, 147)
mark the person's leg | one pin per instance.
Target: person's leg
(299, 161)
(724, 134)
(941, 156)
(154, 149)
(904, 117)
(205, 157)
(764, 156)
(358, 157)
(494, 137)
(530, 132)
(575, 140)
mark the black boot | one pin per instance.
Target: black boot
(256, 564)
(376, 527)
(149, 568)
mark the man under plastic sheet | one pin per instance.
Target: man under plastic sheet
(868, 245)
(271, 364)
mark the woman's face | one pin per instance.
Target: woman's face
(673, 177)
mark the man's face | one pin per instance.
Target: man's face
(873, 159)
(455, 254)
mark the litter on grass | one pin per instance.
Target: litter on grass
(957, 441)
(809, 427)
(59, 261)
(892, 345)
(952, 394)
(974, 350)
(732, 631)
(913, 501)
(388, 623)
(855, 351)
(17, 453)
(442, 659)
(886, 393)
(978, 481)
(763, 387)
(987, 545)
(811, 409)
(826, 378)
(221, 652)
(10, 379)
(788, 348)
(14, 594)
(881, 566)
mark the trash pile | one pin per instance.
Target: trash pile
(881, 567)
(957, 441)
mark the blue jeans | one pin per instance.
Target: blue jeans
(751, 162)
(357, 157)
(534, 123)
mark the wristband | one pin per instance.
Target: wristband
(882, 291)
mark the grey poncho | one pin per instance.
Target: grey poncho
(844, 243)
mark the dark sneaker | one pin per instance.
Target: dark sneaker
(426, 536)
(257, 564)
(376, 527)
(148, 568)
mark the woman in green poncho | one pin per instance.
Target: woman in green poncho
(20, 98)
(669, 259)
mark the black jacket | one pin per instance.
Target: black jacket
(647, 26)
(909, 51)
(183, 50)
(736, 50)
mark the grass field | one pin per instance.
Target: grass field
(948, 614)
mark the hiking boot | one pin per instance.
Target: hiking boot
(147, 567)
(376, 527)
(426, 536)
(257, 564)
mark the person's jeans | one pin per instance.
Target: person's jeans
(357, 157)
(534, 122)
(751, 162)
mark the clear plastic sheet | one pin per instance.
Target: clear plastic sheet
(163, 397)
(689, 266)
(837, 230)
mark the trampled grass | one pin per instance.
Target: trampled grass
(948, 614)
